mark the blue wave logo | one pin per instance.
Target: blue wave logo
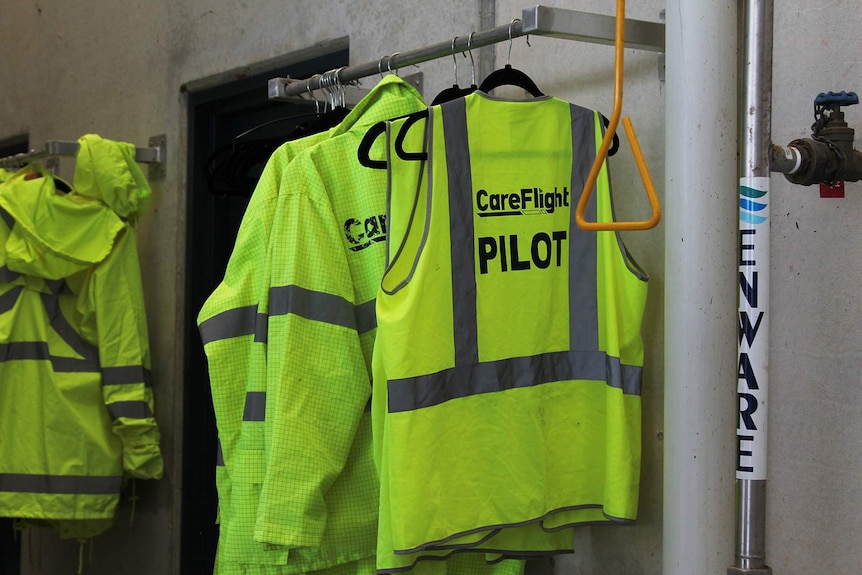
(748, 206)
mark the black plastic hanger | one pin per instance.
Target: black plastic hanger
(509, 76)
(377, 129)
(456, 91)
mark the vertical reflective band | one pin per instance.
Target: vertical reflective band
(130, 409)
(7, 275)
(255, 406)
(219, 454)
(8, 299)
(584, 317)
(125, 375)
(227, 324)
(60, 484)
(461, 231)
(366, 316)
(261, 328)
(7, 218)
(66, 332)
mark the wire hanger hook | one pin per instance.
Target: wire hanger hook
(511, 25)
(455, 60)
(472, 62)
(389, 63)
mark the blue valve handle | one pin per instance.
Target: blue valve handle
(841, 98)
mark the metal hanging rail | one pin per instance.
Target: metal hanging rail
(61, 148)
(536, 20)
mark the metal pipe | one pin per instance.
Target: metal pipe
(701, 167)
(753, 374)
(537, 20)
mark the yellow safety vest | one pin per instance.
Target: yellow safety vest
(508, 357)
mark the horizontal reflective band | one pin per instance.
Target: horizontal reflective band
(219, 455)
(125, 375)
(227, 324)
(8, 299)
(313, 305)
(7, 217)
(130, 409)
(60, 484)
(7, 275)
(366, 316)
(255, 406)
(37, 350)
(489, 377)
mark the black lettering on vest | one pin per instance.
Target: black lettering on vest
(746, 372)
(517, 264)
(541, 238)
(487, 251)
(559, 237)
(354, 236)
(745, 413)
(541, 249)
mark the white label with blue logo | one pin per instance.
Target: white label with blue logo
(753, 367)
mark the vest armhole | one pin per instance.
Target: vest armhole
(402, 265)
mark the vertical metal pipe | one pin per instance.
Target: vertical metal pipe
(753, 373)
(700, 287)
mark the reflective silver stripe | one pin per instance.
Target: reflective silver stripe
(227, 324)
(219, 455)
(255, 406)
(65, 330)
(366, 316)
(261, 328)
(8, 299)
(490, 377)
(38, 350)
(130, 409)
(128, 374)
(7, 217)
(60, 484)
(584, 315)
(7, 275)
(461, 230)
(313, 305)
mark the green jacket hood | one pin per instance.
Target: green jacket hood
(52, 234)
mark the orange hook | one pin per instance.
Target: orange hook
(602, 154)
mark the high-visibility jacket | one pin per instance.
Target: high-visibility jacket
(233, 325)
(508, 359)
(75, 385)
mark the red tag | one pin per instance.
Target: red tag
(32, 176)
(836, 191)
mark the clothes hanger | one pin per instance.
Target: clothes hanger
(375, 131)
(509, 76)
(601, 154)
(331, 84)
(456, 91)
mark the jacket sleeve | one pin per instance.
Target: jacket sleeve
(115, 296)
(317, 382)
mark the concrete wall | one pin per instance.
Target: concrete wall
(116, 69)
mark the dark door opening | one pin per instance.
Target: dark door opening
(217, 116)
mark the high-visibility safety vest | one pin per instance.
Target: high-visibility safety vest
(508, 358)
(76, 397)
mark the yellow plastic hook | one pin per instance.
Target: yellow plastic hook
(602, 153)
